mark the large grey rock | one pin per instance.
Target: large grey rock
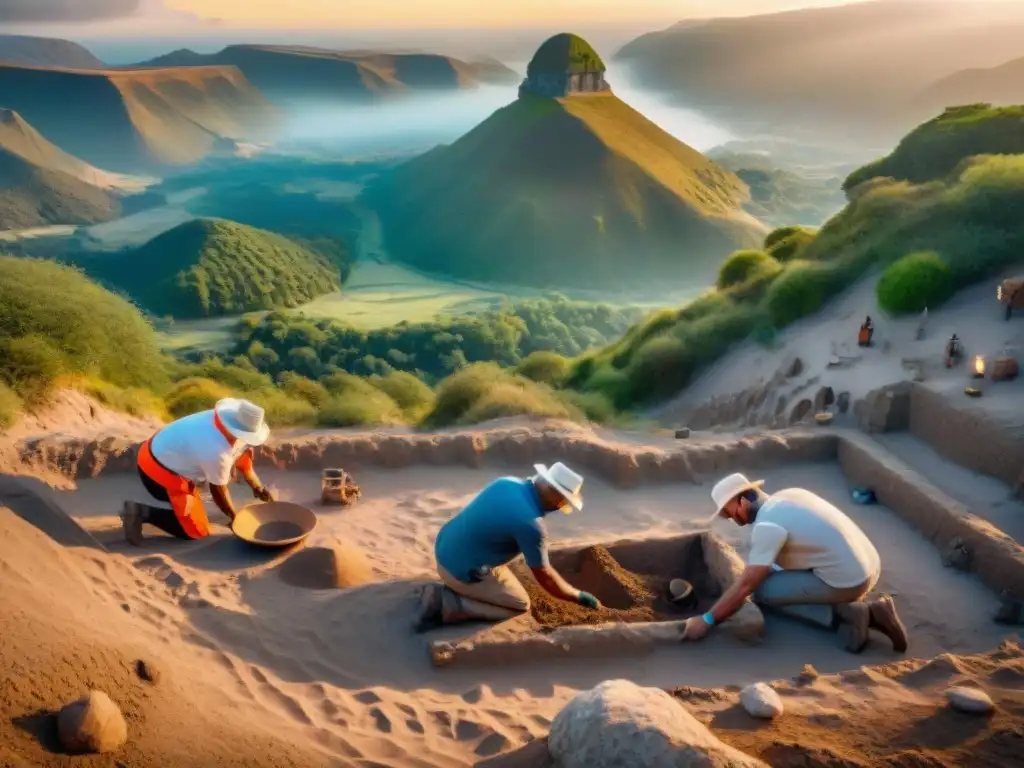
(973, 700)
(620, 724)
(92, 724)
(761, 701)
(885, 410)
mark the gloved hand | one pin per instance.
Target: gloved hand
(263, 494)
(588, 600)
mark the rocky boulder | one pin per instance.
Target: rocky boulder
(619, 723)
(92, 724)
(885, 410)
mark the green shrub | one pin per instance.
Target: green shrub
(10, 406)
(96, 332)
(802, 289)
(787, 243)
(545, 367)
(411, 395)
(595, 406)
(283, 410)
(459, 392)
(193, 395)
(134, 401)
(355, 412)
(914, 283)
(305, 389)
(516, 396)
(741, 266)
(30, 365)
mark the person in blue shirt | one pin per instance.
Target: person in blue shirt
(474, 547)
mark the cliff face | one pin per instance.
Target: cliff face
(137, 120)
(46, 52)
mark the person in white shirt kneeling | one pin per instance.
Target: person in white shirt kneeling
(807, 560)
(206, 447)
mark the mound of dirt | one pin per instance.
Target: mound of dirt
(338, 567)
(625, 596)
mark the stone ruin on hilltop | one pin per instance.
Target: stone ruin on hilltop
(564, 65)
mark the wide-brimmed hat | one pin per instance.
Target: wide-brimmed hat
(563, 480)
(244, 420)
(728, 488)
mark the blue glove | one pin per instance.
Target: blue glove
(588, 600)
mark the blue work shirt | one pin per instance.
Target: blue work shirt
(504, 519)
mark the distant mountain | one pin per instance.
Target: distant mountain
(40, 184)
(853, 65)
(1000, 85)
(133, 120)
(46, 52)
(288, 74)
(210, 267)
(580, 191)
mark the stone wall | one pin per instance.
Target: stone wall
(561, 84)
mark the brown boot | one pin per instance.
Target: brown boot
(132, 518)
(855, 618)
(885, 619)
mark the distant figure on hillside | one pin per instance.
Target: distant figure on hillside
(952, 350)
(808, 560)
(867, 331)
(204, 447)
(473, 550)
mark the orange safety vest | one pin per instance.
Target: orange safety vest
(182, 492)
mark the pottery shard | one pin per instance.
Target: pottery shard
(761, 701)
(1005, 368)
(972, 700)
(92, 724)
(682, 434)
(619, 723)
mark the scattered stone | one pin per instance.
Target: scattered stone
(824, 398)
(807, 675)
(619, 723)
(885, 410)
(795, 368)
(801, 411)
(1011, 610)
(682, 434)
(843, 402)
(973, 700)
(957, 556)
(761, 701)
(147, 672)
(92, 724)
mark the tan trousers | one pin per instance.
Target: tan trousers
(498, 597)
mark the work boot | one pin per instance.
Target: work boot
(132, 518)
(856, 619)
(430, 608)
(884, 618)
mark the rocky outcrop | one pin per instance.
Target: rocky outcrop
(618, 723)
(92, 724)
(886, 409)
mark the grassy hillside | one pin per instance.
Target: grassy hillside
(565, 52)
(296, 74)
(583, 190)
(855, 65)
(209, 267)
(954, 230)
(129, 120)
(938, 147)
(46, 52)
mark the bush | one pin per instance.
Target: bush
(516, 396)
(787, 243)
(193, 395)
(30, 365)
(595, 406)
(914, 283)
(10, 406)
(282, 410)
(134, 401)
(301, 388)
(741, 266)
(802, 289)
(545, 367)
(410, 394)
(461, 391)
(355, 412)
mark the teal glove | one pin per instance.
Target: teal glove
(588, 600)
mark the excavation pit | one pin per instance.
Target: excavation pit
(630, 578)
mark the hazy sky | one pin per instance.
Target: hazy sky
(113, 16)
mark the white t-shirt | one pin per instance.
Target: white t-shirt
(800, 531)
(193, 447)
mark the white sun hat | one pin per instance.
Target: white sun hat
(564, 480)
(728, 488)
(244, 420)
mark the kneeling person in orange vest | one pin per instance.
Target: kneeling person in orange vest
(204, 447)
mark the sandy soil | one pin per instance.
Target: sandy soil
(307, 665)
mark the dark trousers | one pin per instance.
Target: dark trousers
(161, 517)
